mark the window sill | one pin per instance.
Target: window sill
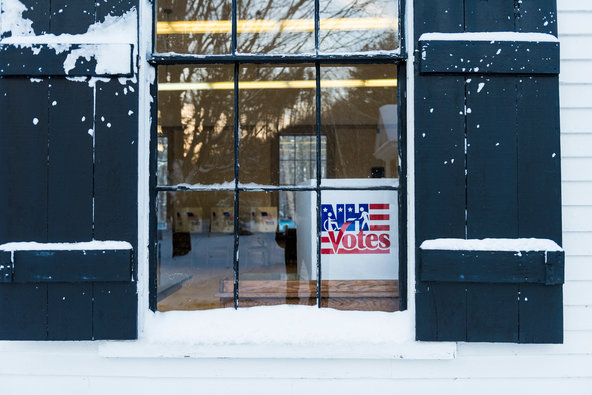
(293, 332)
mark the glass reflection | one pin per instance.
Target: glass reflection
(196, 122)
(194, 26)
(358, 25)
(275, 257)
(277, 122)
(276, 26)
(195, 249)
(360, 119)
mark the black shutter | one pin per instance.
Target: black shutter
(500, 99)
(63, 183)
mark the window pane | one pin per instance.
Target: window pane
(195, 250)
(359, 249)
(359, 117)
(275, 26)
(194, 26)
(275, 101)
(196, 117)
(358, 25)
(277, 257)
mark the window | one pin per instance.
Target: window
(277, 154)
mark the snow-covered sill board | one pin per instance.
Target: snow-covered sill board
(537, 261)
(278, 332)
(67, 59)
(489, 52)
(31, 262)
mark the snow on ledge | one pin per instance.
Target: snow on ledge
(525, 244)
(277, 325)
(489, 36)
(80, 246)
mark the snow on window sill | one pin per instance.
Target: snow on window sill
(278, 332)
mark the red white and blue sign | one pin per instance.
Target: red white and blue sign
(356, 228)
(359, 231)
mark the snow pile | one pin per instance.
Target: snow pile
(278, 325)
(525, 244)
(81, 246)
(111, 59)
(489, 36)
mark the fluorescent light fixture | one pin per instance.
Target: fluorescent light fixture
(295, 84)
(286, 25)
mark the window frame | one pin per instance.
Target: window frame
(398, 58)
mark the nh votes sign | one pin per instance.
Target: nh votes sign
(356, 228)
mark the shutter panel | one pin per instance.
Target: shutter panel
(68, 174)
(487, 166)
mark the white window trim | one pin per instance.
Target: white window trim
(250, 346)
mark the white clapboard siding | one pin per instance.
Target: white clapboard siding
(577, 243)
(576, 169)
(570, 48)
(575, 120)
(575, 96)
(477, 367)
(575, 33)
(574, 5)
(577, 219)
(574, 23)
(578, 318)
(576, 70)
(576, 193)
(574, 342)
(575, 145)
(578, 268)
(349, 386)
(577, 293)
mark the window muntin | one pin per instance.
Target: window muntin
(273, 97)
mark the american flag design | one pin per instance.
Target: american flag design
(356, 228)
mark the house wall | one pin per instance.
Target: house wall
(78, 368)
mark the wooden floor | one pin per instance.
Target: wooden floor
(204, 279)
(202, 292)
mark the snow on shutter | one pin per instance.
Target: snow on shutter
(68, 170)
(487, 166)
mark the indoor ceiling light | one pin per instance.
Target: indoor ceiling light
(295, 84)
(262, 26)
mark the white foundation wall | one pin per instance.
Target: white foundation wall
(478, 368)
